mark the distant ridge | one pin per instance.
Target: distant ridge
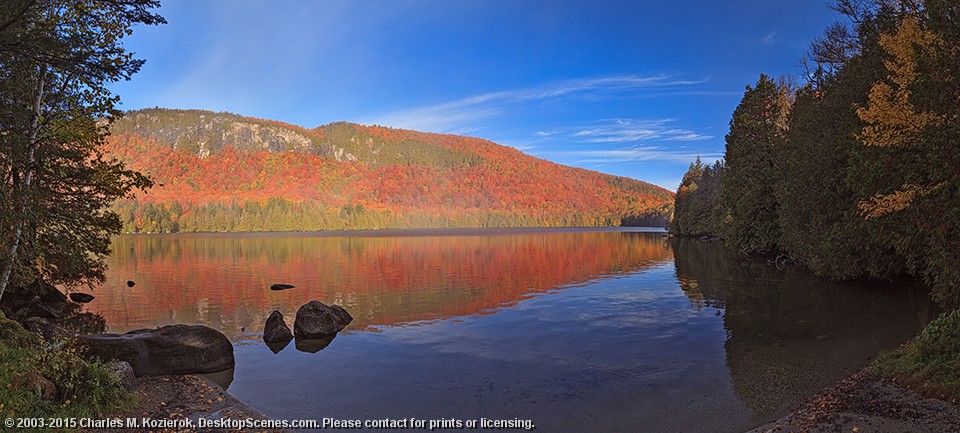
(226, 172)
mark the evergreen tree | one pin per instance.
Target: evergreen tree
(697, 200)
(819, 222)
(757, 133)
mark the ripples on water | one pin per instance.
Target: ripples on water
(614, 330)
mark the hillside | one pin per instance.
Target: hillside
(225, 172)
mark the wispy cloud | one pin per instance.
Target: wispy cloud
(769, 38)
(640, 153)
(548, 133)
(448, 116)
(632, 130)
(465, 130)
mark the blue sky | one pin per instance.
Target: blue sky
(634, 88)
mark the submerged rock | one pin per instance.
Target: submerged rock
(276, 329)
(316, 320)
(82, 298)
(281, 286)
(222, 379)
(174, 349)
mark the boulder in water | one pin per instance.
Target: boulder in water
(276, 329)
(316, 320)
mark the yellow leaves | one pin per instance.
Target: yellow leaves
(902, 45)
(883, 204)
(892, 120)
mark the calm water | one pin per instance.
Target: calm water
(576, 330)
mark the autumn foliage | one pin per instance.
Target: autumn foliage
(222, 172)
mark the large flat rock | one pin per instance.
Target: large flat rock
(174, 349)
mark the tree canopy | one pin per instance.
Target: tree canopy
(858, 175)
(57, 58)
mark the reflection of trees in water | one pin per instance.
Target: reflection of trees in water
(790, 335)
(223, 281)
(76, 321)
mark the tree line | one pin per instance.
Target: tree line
(856, 171)
(278, 214)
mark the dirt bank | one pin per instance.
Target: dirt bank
(869, 403)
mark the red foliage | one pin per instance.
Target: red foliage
(504, 180)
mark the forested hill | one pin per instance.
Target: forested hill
(225, 172)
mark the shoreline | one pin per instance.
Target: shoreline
(186, 397)
(411, 232)
(867, 402)
(864, 402)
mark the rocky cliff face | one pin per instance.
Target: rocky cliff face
(205, 133)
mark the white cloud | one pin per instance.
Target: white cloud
(448, 116)
(548, 133)
(640, 153)
(631, 130)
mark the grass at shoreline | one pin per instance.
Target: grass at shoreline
(83, 389)
(930, 363)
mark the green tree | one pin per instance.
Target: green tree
(819, 222)
(757, 133)
(56, 59)
(912, 120)
(696, 209)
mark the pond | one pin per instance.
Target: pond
(572, 329)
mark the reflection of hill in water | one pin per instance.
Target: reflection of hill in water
(790, 335)
(223, 281)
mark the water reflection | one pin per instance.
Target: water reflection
(223, 281)
(277, 346)
(578, 331)
(312, 345)
(788, 334)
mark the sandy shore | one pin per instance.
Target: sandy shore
(868, 403)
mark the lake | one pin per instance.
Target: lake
(573, 329)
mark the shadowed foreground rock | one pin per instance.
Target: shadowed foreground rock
(276, 329)
(125, 373)
(174, 349)
(33, 380)
(316, 320)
